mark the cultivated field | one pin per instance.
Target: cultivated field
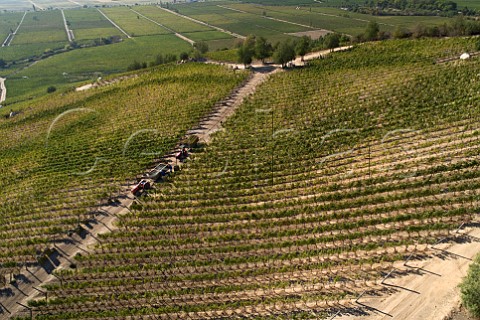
(66, 154)
(23, 5)
(68, 69)
(89, 24)
(41, 27)
(320, 182)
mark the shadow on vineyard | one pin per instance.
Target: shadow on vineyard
(327, 189)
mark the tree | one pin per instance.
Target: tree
(302, 46)
(401, 33)
(247, 50)
(263, 49)
(371, 33)
(135, 65)
(51, 89)
(3, 63)
(470, 288)
(284, 53)
(331, 41)
(201, 46)
(184, 56)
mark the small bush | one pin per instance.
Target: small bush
(51, 89)
(470, 288)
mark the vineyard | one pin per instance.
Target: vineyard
(65, 155)
(319, 183)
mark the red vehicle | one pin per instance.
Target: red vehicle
(142, 185)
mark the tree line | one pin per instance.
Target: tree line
(410, 7)
(283, 52)
(459, 26)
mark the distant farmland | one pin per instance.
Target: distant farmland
(139, 32)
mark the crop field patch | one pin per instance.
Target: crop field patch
(91, 34)
(207, 35)
(132, 23)
(40, 37)
(88, 24)
(42, 21)
(86, 19)
(8, 24)
(223, 44)
(171, 21)
(240, 23)
(28, 50)
(89, 63)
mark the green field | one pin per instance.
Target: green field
(8, 23)
(171, 21)
(89, 63)
(41, 27)
(88, 24)
(238, 22)
(132, 23)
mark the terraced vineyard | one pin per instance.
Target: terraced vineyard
(318, 184)
(66, 155)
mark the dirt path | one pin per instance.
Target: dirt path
(36, 5)
(69, 32)
(3, 90)
(114, 24)
(430, 294)
(75, 2)
(227, 107)
(204, 23)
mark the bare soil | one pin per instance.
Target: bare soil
(314, 34)
(432, 292)
(461, 314)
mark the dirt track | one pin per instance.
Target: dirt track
(3, 89)
(432, 293)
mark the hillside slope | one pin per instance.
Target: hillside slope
(65, 155)
(319, 183)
